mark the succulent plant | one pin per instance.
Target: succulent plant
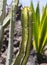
(30, 33)
(34, 26)
(26, 21)
(11, 32)
(2, 16)
(39, 29)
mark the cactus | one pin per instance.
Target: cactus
(38, 30)
(2, 16)
(26, 37)
(29, 41)
(11, 32)
(6, 21)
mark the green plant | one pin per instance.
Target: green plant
(33, 25)
(29, 41)
(11, 31)
(39, 29)
(2, 16)
(26, 36)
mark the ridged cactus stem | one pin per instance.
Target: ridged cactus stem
(29, 42)
(7, 19)
(4, 9)
(3, 2)
(1, 36)
(10, 45)
(24, 37)
(11, 33)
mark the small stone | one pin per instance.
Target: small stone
(15, 50)
(43, 64)
(45, 52)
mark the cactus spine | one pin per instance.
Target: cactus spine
(11, 32)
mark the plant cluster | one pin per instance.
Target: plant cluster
(34, 26)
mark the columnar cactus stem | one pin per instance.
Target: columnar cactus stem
(7, 19)
(2, 16)
(29, 42)
(10, 45)
(11, 33)
(26, 37)
(1, 30)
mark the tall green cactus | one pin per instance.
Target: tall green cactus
(30, 29)
(6, 21)
(2, 16)
(11, 32)
(26, 37)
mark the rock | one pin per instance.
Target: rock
(8, 34)
(15, 34)
(1, 59)
(30, 61)
(4, 60)
(45, 52)
(15, 50)
(18, 38)
(16, 44)
(4, 54)
(43, 64)
(1, 64)
(6, 30)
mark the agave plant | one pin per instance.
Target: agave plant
(39, 29)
